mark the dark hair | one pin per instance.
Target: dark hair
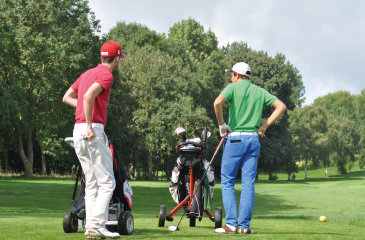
(242, 76)
(107, 59)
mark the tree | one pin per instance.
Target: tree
(182, 88)
(346, 112)
(155, 88)
(45, 45)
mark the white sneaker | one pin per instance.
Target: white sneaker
(226, 229)
(100, 233)
(245, 231)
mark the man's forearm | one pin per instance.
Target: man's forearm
(70, 98)
(218, 108)
(219, 114)
(88, 109)
(280, 108)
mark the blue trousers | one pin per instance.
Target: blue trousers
(240, 151)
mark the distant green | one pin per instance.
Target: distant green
(32, 208)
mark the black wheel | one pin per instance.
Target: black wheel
(161, 220)
(192, 221)
(218, 217)
(69, 222)
(112, 228)
(126, 223)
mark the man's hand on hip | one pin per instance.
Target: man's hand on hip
(223, 128)
(90, 134)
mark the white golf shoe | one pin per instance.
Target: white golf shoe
(100, 233)
(245, 231)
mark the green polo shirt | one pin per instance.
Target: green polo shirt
(246, 101)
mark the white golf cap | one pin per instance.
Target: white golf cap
(240, 68)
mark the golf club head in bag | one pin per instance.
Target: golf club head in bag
(181, 132)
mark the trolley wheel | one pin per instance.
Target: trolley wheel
(112, 228)
(125, 223)
(161, 220)
(218, 217)
(70, 222)
(192, 221)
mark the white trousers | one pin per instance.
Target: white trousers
(97, 163)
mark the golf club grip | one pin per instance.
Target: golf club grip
(205, 132)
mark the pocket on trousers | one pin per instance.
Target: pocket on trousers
(255, 148)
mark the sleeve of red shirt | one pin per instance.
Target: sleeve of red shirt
(105, 80)
(75, 86)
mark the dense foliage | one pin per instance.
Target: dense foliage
(330, 131)
(169, 80)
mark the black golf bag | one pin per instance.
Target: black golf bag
(120, 218)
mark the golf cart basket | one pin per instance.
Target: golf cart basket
(120, 218)
(192, 182)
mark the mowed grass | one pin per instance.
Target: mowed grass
(33, 208)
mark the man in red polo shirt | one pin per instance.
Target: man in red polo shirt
(90, 96)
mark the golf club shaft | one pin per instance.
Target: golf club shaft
(219, 145)
(177, 226)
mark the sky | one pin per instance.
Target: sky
(323, 39)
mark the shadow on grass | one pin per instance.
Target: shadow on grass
(355, 175)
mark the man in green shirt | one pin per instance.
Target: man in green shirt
(242, 148)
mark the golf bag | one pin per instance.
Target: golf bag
(191, 157)
(120, 218)
(122, 192)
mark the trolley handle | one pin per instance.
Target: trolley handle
(193, 143)
(70, 140)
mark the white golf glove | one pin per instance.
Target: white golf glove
(223, 128)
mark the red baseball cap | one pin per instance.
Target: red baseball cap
(111, 49)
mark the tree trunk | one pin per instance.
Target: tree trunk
(326, 170)
(168, 170)
(138, 167)
(26, 159)
(305, 169)
(43, 159)
(6, 163)
(289, 176)
(149, 165)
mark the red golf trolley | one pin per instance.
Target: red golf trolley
(192, 183)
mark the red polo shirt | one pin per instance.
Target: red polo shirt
(102, 75)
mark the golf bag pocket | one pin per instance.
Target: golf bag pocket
(128, 193)
(210, 175)
(189, 159)
(173, 192)
(175, 175)
(78, 205)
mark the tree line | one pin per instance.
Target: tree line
(169, 80)
(331, 131)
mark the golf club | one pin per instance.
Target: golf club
(173, 228)
(219, 145)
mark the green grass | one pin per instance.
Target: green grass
(32, 208)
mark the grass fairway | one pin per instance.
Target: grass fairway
(33, 209)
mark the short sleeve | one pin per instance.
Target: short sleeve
(105, 80)
(75, 85)
(228, 92)
(269, 99)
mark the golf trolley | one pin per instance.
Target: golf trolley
(192, 183)
(120, 218)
